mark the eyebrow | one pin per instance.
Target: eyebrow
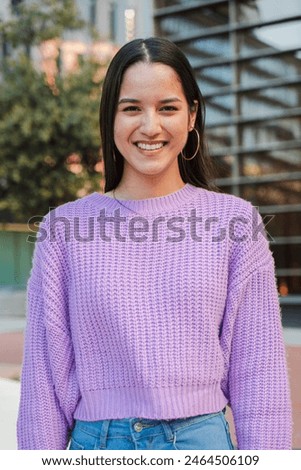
(133, 100)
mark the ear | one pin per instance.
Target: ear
(192, 114)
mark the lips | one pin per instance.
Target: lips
(150, 146)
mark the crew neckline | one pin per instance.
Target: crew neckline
(148, 205)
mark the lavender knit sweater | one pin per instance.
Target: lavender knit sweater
(159, 308)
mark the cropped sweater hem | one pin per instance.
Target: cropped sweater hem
(151, 403)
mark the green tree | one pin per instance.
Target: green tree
(38, 21)
(49, 138)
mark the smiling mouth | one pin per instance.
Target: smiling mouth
(150, 147)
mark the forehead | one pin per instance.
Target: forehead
(150, 78)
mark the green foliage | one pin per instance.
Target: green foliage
(41, 126)
(40, 20)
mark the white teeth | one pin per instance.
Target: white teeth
(149, 146)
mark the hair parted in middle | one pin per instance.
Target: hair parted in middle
(199, 171)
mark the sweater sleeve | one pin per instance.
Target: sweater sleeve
(257, 382)
(49, 390)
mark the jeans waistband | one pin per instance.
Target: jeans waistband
(100, 429)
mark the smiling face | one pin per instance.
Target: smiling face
(152, 122)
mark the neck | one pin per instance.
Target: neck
(147, 191)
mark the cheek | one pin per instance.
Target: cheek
(119, 131)
(123, 129)
(179, 130)
(179, 125)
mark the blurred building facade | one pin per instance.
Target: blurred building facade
(119, 21)
(246, 56)
(115, 22)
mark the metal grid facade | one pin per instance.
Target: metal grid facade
(252, 88)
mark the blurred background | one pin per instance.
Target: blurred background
(53, 55)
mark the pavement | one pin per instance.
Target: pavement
(12, 326)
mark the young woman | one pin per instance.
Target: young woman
(153, 306)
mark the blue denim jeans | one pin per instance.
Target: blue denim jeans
(210, 431)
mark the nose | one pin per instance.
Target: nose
(150, 124)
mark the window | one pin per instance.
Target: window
(14, 4)
(93, 9)
(130, 23)
(113, 20)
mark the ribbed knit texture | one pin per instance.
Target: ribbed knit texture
(147, 320)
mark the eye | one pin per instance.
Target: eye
(131, 109)
(168, 108)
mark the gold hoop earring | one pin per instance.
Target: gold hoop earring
(197, 148)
